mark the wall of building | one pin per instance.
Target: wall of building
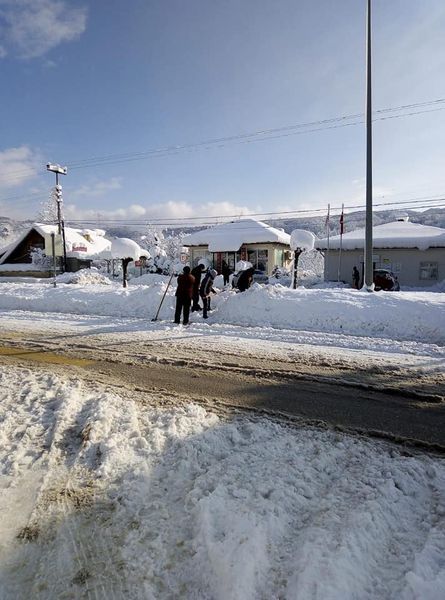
(407, 264)
(22, 253)
(275, 255)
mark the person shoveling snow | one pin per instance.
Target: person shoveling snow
(206, 289)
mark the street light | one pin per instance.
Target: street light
(58, 170)
(368, 283)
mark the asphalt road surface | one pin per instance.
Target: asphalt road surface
(400, 405)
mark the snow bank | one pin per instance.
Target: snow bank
(106, 497)
(418, 316)
(414, 316)
(108, 300)
(90, 276)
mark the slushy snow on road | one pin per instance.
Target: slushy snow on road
(104, 496)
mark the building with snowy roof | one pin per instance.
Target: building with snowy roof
(247, 239)
(414, 253)
(82, 247)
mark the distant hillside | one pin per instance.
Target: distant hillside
(11, 230)
(356, 220)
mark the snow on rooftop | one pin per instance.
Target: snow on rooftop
(398, 234)
(86, 244)
(229, 237)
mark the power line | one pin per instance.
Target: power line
(279, 215)
(260, 135)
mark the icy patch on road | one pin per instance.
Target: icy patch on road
(129, 500)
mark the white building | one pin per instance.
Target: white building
(247, 239)
(81, 245)
(414, 253)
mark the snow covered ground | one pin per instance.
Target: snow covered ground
(228, 346)
(417, 316)
(108, 496)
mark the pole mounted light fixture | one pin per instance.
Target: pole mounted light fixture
(58, 170)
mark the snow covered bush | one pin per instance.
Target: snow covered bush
(39, 259)
(165, 251)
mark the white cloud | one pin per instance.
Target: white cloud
(167, 210)
(3, 52)
(17, 165)
(33, 27)
(98, 188)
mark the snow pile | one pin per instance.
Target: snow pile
(90, 276)
(302, 240)
(243, 265)
(152, 278)
(105, 497)
(15, 267)
(437, 288)
(126, 248)
(409, 316)
(418, 316)
(108, 300)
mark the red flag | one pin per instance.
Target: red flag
(342, 223)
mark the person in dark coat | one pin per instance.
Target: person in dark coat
(206, 289)
(355, 278)
(197, 274)
(226, 272)
(245, 279)
(184, 293)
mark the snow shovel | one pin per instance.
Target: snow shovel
(165, 293)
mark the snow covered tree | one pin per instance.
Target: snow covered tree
(165, 252)
(48, 210)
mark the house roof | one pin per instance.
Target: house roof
(80, 243)
(229, 237)
(398, 234)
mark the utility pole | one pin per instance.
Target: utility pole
(369, 267)
(58, 170)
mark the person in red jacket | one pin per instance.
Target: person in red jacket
(184, 293)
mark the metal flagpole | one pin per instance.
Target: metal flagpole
(341, 241)
(328, 235)
(369, 269)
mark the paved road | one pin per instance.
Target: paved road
(313, 395)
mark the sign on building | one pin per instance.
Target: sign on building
(49, 245)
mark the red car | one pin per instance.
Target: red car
(385, 280)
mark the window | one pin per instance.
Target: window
(201, 254)
(259, 259)
(262, 260)
(251, 257)
(429, 270)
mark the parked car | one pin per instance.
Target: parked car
(258, 277)
(385, 280)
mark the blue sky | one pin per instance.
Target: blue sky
(90, 79)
